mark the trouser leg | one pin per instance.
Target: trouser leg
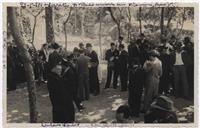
(123, 79)
(87, 89)
(116, 74)
(109, 77)
(176, 81)
(184, 82)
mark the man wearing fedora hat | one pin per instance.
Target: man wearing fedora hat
(161, 111)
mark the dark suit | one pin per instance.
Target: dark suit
(111, 64)
(144, 48)
(43, 63)
(93, 74)
(136, 84)
(189, 49)
(167, 67)
(83, 77)
(121, 69)
(61, 92)
(134, 54)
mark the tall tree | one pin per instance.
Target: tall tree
(162, 22)
(100, 29)
(82, 22)
(26, 58)
(65, 29)
(115, 19)
(49, 25)
(128, 13)
(35, 14)
(140, 21)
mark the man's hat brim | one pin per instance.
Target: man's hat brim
(154, 105)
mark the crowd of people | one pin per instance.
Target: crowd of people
(152, 70)
(142, 69)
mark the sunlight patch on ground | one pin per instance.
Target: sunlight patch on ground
(14, 111)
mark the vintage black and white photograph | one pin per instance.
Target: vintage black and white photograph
(84, 63)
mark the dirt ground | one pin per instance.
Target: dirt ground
(98, 108)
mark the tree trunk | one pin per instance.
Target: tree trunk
(182, 23)
(119, 29)
(100, 34)
(115, 20)
(25, 56)
(49, 25)
(65, 31)
(129, 22)
(82, 23)
(162, 23)
(75, 21)
(140, 21)
(33, 34)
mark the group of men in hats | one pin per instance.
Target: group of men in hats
(142, 69)
(151, 70)
(70, 79)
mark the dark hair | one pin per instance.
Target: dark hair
(142, 35)
(125, 110)
(44, 45)
(187, 39)
(121, 46)
(54, 46)
(81, 44)
(76, 49)
(111, 44)
(88, 45)
(121, 38)
(173, 37)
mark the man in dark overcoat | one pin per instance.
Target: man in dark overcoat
(93, 70)
(60, 84)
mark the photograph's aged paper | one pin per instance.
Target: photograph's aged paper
(100, 64)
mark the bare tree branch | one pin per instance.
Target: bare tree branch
(68, 16)
(112, 16)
